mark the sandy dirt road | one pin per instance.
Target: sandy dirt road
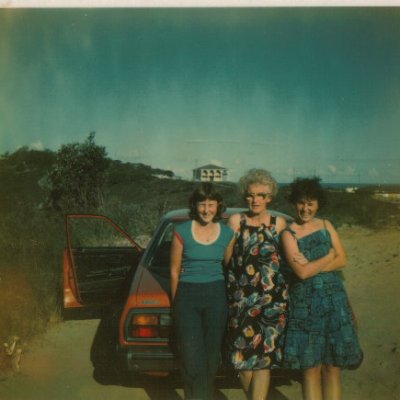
(58, 366)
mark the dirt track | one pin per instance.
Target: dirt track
(58, 366)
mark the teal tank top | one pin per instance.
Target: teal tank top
(202, 262)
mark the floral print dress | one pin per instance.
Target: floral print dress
(258, 299)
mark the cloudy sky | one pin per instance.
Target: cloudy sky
(299, 91)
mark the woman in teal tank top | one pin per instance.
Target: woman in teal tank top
(199, 248)
(321, 338)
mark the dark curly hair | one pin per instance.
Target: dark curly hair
(307, 188)
(205, 191)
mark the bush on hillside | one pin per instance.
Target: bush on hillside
(77, 178)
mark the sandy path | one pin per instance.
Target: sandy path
(372, 281)
(58, 366)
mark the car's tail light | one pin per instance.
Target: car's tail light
(145, 319)
(150, 325)
(145, 331)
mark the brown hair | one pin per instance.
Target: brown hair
(205, 191)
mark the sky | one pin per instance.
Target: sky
(297, 91)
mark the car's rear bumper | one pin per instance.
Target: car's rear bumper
(148, 359)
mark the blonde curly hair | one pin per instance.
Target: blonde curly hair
(257, 176)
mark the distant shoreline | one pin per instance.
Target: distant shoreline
(342, 186)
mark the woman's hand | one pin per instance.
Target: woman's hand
(332, 254)
(339, 258)
(300, 258)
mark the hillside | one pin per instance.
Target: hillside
(153, 190)
(135, 196)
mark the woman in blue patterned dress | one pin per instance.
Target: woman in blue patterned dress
(257, 292)
(321, 338)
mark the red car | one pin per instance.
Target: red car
(103, 265)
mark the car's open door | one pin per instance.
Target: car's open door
(99, 261)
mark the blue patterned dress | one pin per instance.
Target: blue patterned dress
(257, 298)
(320, 328)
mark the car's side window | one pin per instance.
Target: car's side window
(103, 258)
(95, 233)
(161, 257)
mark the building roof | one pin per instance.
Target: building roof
(209, 166)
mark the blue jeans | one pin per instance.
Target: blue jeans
(200, 317)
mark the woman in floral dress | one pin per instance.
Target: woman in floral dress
(257, 292)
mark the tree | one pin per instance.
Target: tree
(78, 176)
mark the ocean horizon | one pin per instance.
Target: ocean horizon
(344, 185)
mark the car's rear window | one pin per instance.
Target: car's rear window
(162, 247)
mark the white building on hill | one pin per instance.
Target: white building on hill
(210, 172)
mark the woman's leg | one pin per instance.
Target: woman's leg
(312, 389)
(245, 379)
(255, 383)
(192, 351)
(260, 384)
(331, 386)
(215, 315)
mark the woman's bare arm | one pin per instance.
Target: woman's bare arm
(229, 251)
(234, 222)
(280, 224)
(175, 264)
(340, 259)
(300, 265)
